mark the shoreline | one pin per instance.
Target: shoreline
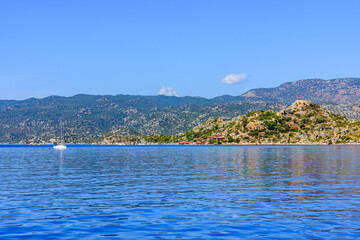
(4, 145)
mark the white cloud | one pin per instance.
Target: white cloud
(167, 91)
(234, 78)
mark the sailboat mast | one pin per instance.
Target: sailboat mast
(61, 130)
(60, 146)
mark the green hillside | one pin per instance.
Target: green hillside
(88, 118)
(302, 123)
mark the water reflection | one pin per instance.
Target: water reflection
(196, 192)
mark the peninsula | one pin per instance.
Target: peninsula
(301, 123)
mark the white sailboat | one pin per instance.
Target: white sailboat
(60, 146)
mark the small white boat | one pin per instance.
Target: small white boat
(60, 146)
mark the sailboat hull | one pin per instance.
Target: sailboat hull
(59, 147)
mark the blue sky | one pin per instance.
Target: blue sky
(188, 47)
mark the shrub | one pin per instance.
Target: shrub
(249, 114)
(254, 133)
(271, 125)
(304, 120)
(267, 115)
(320, 119)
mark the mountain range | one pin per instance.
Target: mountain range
(89, 117)
(341, 90)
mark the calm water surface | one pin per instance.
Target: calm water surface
(180, 193)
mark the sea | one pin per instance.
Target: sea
(180, 192)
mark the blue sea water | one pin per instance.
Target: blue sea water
(258, 192)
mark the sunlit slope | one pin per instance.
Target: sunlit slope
(303, 123)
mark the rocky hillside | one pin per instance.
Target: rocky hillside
(88, 117)
(342, 90)
(302, 123)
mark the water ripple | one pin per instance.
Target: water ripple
(180, 192)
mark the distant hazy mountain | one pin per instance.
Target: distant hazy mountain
(7, 103)
(341, 90)
(86, 117)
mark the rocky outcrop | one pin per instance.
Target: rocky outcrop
(301, 123)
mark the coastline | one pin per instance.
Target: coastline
(8, 145)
